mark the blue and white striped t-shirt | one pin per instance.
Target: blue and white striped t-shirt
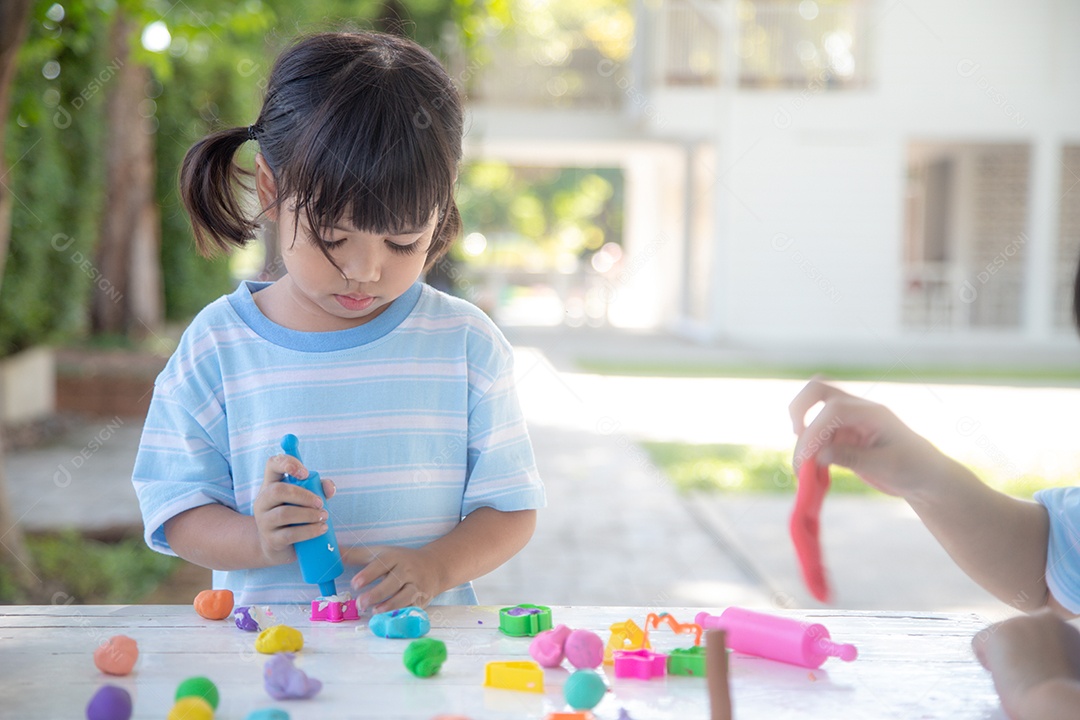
(413, 415)
(1063, 547)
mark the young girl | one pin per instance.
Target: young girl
(401, 394)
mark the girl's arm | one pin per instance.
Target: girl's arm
(219, 538)
(480, 543)
(999, 541)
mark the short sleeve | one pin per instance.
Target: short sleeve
(1063, 550)
(181, 463)
(501, 469)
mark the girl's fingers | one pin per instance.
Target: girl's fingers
(278, 465)
(816, 391)
(283, 537)
(328, 488)
(374, 570)
(407, 596)
(381, 593)
(284, 515)
(280, 493)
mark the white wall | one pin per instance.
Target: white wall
(812, 182)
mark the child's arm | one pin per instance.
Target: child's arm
(218, 537)
(999, 541)
(1035, 663)
(483, 541)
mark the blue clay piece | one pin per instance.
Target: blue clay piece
(584, 689)
(267, 714)
(109, 703)
(408, 622)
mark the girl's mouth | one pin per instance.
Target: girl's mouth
(355, 302)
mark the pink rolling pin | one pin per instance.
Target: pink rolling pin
(777, 638)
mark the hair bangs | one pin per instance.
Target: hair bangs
(375, 160)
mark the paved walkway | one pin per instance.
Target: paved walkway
(615, 531)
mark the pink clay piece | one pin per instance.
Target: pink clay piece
(584, 649)
(547, 647)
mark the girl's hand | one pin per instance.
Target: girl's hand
(867, 438)
(407, 577)
(285, 513)
(1035, 663)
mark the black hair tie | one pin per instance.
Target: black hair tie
(251, 133)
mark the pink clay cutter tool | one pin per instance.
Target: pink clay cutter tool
(777, 638)
(334, 609)
(641, 664)
(805, 526)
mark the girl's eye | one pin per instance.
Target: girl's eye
(404, 249)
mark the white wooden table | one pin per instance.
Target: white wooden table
(912, 665)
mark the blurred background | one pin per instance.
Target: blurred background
(677, 211)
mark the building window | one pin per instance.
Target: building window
(780, 43)
(964, 237)
(799, 43)
(1068, 249)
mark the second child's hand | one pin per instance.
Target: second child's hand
(284, 513)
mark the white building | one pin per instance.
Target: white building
(853, 178)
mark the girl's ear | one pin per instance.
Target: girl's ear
(266, 187)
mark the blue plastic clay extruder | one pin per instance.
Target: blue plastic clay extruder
(320, 559)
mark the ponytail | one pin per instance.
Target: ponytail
(209, 180)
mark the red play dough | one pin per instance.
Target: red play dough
(117, 655)
(805, 525)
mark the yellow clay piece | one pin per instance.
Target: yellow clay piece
(523, 675)
(279, 638)
(191, 708)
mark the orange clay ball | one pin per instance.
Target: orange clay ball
(214, 604)
(117, 655)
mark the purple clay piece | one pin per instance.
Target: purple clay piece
(519, 611)
(284, 681)
(109, 703)
(624, 715)
(244, 621)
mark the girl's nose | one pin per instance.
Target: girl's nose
(362, 264)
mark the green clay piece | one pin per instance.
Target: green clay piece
(687, 661)
(424, 657)
(584, 689)
(525, 620)
(199, 687)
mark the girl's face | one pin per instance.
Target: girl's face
(377, 269)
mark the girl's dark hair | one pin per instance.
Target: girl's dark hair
(356, 126)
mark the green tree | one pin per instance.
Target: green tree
(15, 558)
